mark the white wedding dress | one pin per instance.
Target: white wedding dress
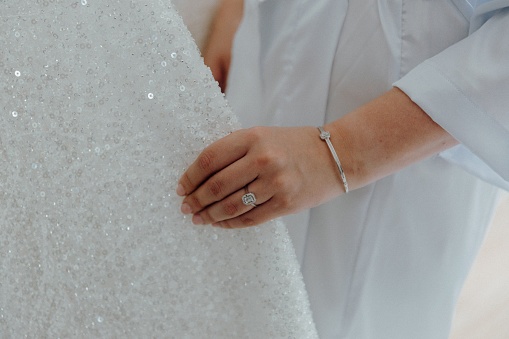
(103, 105)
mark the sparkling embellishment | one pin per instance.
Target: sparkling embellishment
(249, 199)
(91, 241)
(151, 95)
(324, 134)
(17, 73)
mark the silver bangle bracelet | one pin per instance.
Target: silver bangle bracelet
(325, 136)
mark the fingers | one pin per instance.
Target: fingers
(255, 216)
(283, 167)
(233, 205)
(214, 158)
(280, 203)
(219, 186)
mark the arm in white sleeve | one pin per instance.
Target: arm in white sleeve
(465, 89)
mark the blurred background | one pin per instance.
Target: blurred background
(483, 308)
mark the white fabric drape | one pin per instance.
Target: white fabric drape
(387, 260)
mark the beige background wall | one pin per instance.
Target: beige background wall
(483, 309)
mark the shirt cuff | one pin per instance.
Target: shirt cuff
(484, 149)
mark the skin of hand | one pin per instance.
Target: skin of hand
(217, 51)
(290, 169)
(281, 166)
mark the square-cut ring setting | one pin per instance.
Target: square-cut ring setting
(249, 199)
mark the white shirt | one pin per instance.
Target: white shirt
(387, 260)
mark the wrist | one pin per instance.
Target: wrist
(325, 136)
(343, 145)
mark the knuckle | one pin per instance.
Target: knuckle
(268, 155)
(206, 160)
(247, 222)
(230, 209)
(285, 202)
(195, 203)
(269, 159)
(215, 188)
(186, 182)
(225, 224)
(263, 160)
(281, 183)
(207, 218)
(255, 134)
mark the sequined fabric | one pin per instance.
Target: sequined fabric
(103, 105)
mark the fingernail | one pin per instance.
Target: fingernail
(186, 209)
(180, 190)
(197, 220)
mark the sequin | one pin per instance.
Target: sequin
(92, 241)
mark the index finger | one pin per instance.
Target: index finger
(211, 160)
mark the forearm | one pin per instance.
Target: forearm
(231, 6)
(228, 12)
(384, 136)
(217, 52)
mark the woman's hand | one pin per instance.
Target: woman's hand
(217, 52)
(287, 169)
(290, 169)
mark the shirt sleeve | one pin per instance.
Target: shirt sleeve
(465, 89)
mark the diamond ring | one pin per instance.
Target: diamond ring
(248, 198)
